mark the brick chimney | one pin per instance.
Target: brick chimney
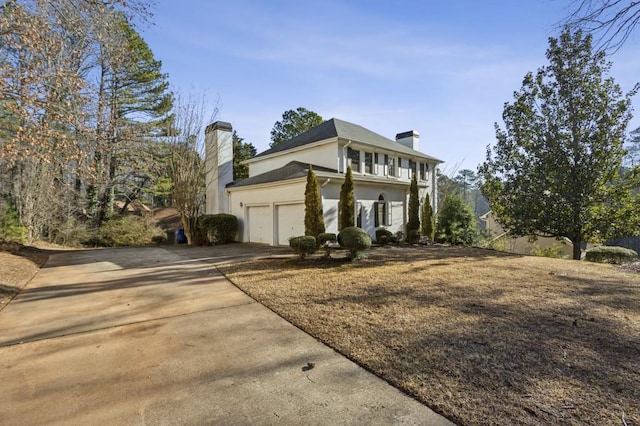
(219, 165)
(409, 139)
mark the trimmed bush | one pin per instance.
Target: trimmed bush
(218, 228)
(383, 236)
(303, 245)
(326, 236)
(611, 254)
(354, 239)
(126, 230)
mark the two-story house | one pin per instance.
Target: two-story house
(270, 203)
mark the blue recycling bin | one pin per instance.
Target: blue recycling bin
(181, 238)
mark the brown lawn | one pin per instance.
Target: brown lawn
(480, 336)
(18, 264)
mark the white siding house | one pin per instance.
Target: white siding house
(269, 204)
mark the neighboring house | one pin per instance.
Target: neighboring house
(269, 204)
(502, 241)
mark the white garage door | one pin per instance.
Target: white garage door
(290, 222)
(259, 224)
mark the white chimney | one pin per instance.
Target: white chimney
(409, 139)
(219, 165)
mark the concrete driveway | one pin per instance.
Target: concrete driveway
(158, 336)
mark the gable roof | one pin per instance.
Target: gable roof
(344, 130)
(292, 170)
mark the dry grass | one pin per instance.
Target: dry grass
(18, 264)
(480, 336)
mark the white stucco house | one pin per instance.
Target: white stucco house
(269, 204)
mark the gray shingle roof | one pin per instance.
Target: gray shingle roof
(344, 130)
(292, 170)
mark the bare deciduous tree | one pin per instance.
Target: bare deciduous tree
(610, 21)
(186, 162)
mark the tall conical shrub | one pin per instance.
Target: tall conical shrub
(313, 215)
(413, 224)
(428, 219)
(347, 202)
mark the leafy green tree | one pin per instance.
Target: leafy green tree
(456, 221)
(413, 224)
(555, 169)
(428, 219)
(313, 215)
(347, 202)
(293, 123)
(241, 151)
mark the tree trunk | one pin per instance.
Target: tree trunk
(577, 249)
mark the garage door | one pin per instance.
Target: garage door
(259, 224)
(290, 222)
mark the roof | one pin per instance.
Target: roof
(292, 170)
(344, 130)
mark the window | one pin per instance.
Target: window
(390, 163)
(412, 168)
(359, 212)
(382, 212)
(399, 167)
(423, 171)
(368, 163)
(353, 159)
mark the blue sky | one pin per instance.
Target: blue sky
(444, 69)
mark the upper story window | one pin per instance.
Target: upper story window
(390, 164)
(412, 168)
(353, 159)
(399, 174)
(424, 168)
(368, 163)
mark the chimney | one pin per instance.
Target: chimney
(219, 165)
(409, 139)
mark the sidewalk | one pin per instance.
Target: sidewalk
(155, 336)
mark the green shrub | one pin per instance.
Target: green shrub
(428, 223)
(326, 236)
(383, 236)
(126, 230)
(10, 229)
(413, 222)
(218, 228)
(354, 239)
(303, 245)
(71, 233)
(456, 222)
(553, 251)
(611, 254)
(413, 236)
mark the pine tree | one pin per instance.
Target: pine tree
(413, 224)
(428, 219)
(347, 203)
(313, 215)
(241, 151)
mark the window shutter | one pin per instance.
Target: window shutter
(388, 213)
(376, 217)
